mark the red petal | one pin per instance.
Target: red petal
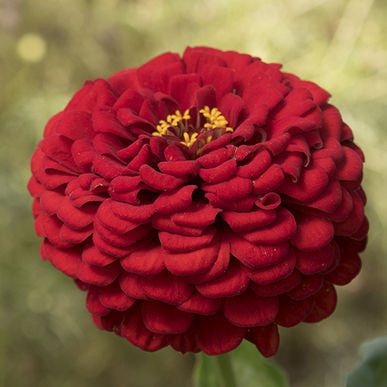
(97, 275)
(214, 158)
(162, 318)
(269, 201)
(184, 342)
(220, 77)
(215, 335)
(296, 103)
(35, 188)
(138, 214)
(36, 208)
(217, 269)
(182, 243)
(197, 57)
(125, 184)
(362, 232)
(132, 150)
(266, 339)
(74, 217)
(133, 329)
(75, 237)
(233, 282)
(276, 288)
(283, 228)
(231, 106)
(200, 305)
(204, 96)
(124, 79)
(320, 96)
(158, 146)
(165, 223)
(93, 256)
(261, 93)
(58, 148)
(179, 168)
(51, 201)
(246, 130)
(273, 273)
(246, 221)
(191, 263)
(330, 200)
(130, 285)
(220, 173)
(122, 240)
(198, 215)
(108, 249)
(109, 167)
(313, 233)
(83, 153)
(348, 268)
(270, 180)
(181, 87)
(159, 181)
(332, 123)
(166, 288)
(144, 261)
(249, 310)
(143, 157)
(129, 99)
(233, 189)
(244, 204)
(111, 221)
(256, 166)
(175, 201)
(350, 168)
(106, 121)
(354, 220)
(50, 227)
(293, 312)
(66, 260)
(109, 322)
(309, 286)
(93, 304)
(325, 304)
(220, 142)
(156, 77)
(257, 256)
(114, 298)
(312, 183)
(316, 261)
(174, 153)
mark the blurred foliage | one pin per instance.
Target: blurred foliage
(47, 50)
(372, 371)
(249, 367)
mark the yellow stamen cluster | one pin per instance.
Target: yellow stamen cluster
(188, 141)
(215, 119)
(172, 120)
(174, 123)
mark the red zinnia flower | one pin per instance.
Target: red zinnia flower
(201, 200)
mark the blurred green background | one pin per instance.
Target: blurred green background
(47, 50)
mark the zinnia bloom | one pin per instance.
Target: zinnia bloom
(201, 200)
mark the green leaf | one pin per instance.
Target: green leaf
(205, 372)
(253, 370)
(372, 370)
(250, 369)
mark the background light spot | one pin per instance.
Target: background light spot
(31, 48)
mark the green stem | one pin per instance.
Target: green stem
(225, 370)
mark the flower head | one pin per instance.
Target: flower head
(201, 200)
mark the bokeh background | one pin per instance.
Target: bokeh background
(47, 50)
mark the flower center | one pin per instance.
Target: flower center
(193, 128)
